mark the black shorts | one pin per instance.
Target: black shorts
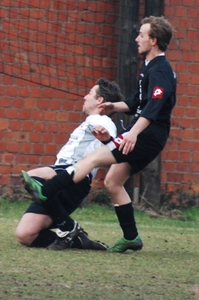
(71, 198)
(145, 151)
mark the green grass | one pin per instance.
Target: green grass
(166, 269)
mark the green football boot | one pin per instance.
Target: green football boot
(35, 187)
(122, 245)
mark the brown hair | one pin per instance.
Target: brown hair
(109, 90)
(160, 29)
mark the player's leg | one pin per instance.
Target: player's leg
(145, 150)
(73, 174)
(43, 172)
(54, 208)
(33, 228)
(32, 223)
(66, 238)
(58, 210)
(114, 183)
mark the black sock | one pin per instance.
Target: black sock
(60, 216)
(57, 183)
(125, 214)
(44, 239)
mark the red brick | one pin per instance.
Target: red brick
(195, 156)
(185, 156)
(192, 12)
(5, 102)
(182, 167)
(8, 158)
(30, 103)
(193, 168)
(179, 111)
(27, 125)
(33, 159)
(195, 123)
(2, 146)
(191, 112)
(187, 56)
(187, 134)
(190, 178)
(173, 155)
(52, 127)
(24, 114)
(37, 115)
(25, 148)
(47, 138)
(12, 147)
(49, 116)
(47, 160)
(175, 177)
(18, 103)
(50, 149)
(188, 3)
(38, 149)
(34, 137)
(4, 124)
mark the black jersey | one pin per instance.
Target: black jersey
(155, 97)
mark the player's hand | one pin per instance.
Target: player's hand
(100, 133)
(128, 143)
(108, 108)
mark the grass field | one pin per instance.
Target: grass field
(166, 269)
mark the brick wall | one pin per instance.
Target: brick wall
(54, 52)
(180, 159)
(36, 120)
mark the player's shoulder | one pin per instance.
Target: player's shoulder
(98, 119)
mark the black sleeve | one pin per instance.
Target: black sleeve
(160, 89)
(132, 103)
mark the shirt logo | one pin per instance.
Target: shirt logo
(157, 92)
(117, 141)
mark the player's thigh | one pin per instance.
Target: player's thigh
(33, 223)
(44, 172)
(117, 175)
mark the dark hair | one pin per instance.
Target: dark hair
(160, 29)
(109, 90)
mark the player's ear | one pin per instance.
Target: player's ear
(100, 100)
(154, 41)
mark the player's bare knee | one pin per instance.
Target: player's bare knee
(109, 185)
(21, 237)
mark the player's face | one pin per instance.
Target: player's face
(90, 100)
(143, 40)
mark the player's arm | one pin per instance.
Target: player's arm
(110, 108)
(130, 138)
(101, 134)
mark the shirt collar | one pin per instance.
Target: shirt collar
(147, 61)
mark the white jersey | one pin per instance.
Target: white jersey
(82, 141)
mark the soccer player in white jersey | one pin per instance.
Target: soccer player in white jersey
(33, 228)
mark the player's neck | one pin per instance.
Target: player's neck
(154, 53)
(94, 112)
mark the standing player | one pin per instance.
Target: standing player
(39, 217)
(144, 138)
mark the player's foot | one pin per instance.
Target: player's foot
(82, 241)
(35, 187)
(64, 239)
(122, 245)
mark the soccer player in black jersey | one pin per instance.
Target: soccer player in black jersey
(142, 141)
